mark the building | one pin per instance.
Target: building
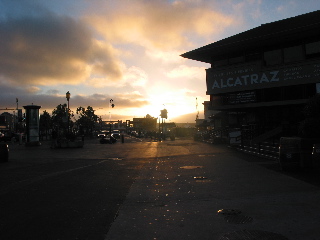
(145, 124)
(260, 79)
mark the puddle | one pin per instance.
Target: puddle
(238, 219)
(191, 167)
(252, 235)
(229, 212)
(203, 181)
(200, 178)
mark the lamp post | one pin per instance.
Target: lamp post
(112, 106)
(68, 98)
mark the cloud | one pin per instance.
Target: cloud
(122, 48)
(33, 89)
(135, 95)
(136, 76)
(187, 72)
(288, 7)
(122, 101)
(157, 24)
(171, 56)
(52, 92)
(51, 50)
(42, 50)
(132, 76)
(104, 60)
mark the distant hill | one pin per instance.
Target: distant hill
(186, 125)
(186, 118)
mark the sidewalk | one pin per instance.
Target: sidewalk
(168, 202)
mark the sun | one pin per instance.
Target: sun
(175, 104)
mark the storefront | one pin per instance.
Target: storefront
(262, 78)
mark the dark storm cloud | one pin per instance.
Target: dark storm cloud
(47, 50)
(9, 94)
(51, 98)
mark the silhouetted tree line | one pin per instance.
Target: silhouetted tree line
(64, 121)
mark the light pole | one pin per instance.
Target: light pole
(16, 118)
(112, 106)
(163, 114)
(68, 98)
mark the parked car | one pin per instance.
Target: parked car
(110, 139)
(103, 134)
(134, 133)
(4, 152)
(116, 134)
(18, 135)
(140, 135)
(1, 136)
(7, 136)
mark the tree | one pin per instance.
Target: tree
(45, 122)
(310, 127)
(87, 119)
(312, 108)
(60, 116)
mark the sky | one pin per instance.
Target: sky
(124, 50)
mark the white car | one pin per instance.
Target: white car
(103, 134)
(116, 134)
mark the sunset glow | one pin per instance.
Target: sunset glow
(128, 51)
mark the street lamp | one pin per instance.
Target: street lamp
(68, 98)
(112, 106)
(68, 95)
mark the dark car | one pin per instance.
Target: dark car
(17, 136)
(4, 152)
(1, 136)
(6, 136)
(110, 139)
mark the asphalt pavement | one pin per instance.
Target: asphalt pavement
(176, 190)
(70, 193)
(216, 194)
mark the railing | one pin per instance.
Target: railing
(262, 143)
(263, 149)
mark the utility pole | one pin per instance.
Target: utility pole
(16, 118)
(112, 106)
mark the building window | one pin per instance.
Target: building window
(220, 63)
(236, 60)
(292, 92)
(273, 57)
(269, 94)
(252, 57)
(293, 54)
(313, 49)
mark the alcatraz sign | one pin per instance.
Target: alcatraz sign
(245, 80)
(249, 78)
